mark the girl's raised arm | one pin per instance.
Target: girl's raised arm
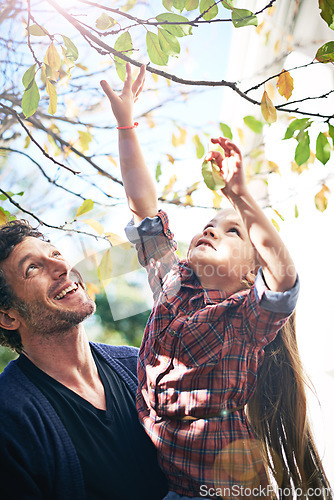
(138, 182)
(277, 265)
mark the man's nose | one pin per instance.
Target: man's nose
(58, 267)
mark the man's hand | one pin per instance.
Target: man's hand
(230, 167)
(122, 104)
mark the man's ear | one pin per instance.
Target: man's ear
(9, 320)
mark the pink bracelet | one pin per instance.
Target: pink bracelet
(135, 125)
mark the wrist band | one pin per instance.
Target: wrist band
(135, 125)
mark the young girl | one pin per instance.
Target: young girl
(220, 337)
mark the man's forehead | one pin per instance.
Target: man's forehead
(29, 246)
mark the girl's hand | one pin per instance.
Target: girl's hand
(122, 104)
(230, 167)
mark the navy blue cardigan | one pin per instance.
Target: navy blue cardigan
(37, 457)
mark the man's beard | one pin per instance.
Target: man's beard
(48, 323)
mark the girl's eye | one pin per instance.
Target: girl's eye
(234, 230)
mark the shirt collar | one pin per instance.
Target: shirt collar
(210, 296)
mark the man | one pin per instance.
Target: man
(68, 423)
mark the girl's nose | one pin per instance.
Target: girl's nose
(210, 231)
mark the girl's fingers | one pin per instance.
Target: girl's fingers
(108, 90)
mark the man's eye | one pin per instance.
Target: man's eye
(30, 268)
(56, 254)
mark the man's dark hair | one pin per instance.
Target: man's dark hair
(11, 234)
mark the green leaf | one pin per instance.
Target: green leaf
(169, 43)
(105, 268)
(3, 197)
(323, 148)
(211, 176)
(120, 68)
(104, 22)
(128, 6)
(191, 4)
(123, 44)
(53, 97)
(154, 51)
(226, 130)
(302, 152)
(243, 17)
(36, 30)
(331, 132)
(326, 53)
(174, 29)
(158, 172)
(29, 76)
(87, 206)
(168, 4)
(200, 150)
(327, 11)
(229, 4)
(300, 124)
(296, 212)
(71, 51)
(253, 124)
(208, 9)
(179, 4)
(30, 100)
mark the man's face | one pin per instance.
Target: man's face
(50, 298)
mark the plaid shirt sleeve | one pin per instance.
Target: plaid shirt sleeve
(264, 312)
(155, 246)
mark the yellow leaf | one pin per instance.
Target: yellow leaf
(271, 90)
(217, 199)
(277, 47)
(27, 142)
(94, 224)
(117, 240)
(92, 290)
(189, 201)
(170, 184)
(52, 58)
(181, 139)
(170, 158)
(85, 138)
(268, 110)
(273, 167)
(113, 161)
(276, 226)
(150, 121)
(241, 135)
(155, 77)
(105, 268)
(321, 198)
(285, 84)
(87, 206)
(53, 97)
(259, 28)
(3, 218)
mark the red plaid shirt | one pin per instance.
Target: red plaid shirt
(200, 355)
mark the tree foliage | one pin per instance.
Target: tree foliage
(53, 57)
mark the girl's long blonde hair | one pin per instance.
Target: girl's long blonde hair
(278, 415)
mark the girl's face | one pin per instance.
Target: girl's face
(222, 255)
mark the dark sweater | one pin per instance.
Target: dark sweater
(37, 457)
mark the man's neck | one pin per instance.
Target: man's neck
(68, 359)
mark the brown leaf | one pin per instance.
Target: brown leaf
(285, 84)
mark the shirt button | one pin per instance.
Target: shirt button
(172, 333)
